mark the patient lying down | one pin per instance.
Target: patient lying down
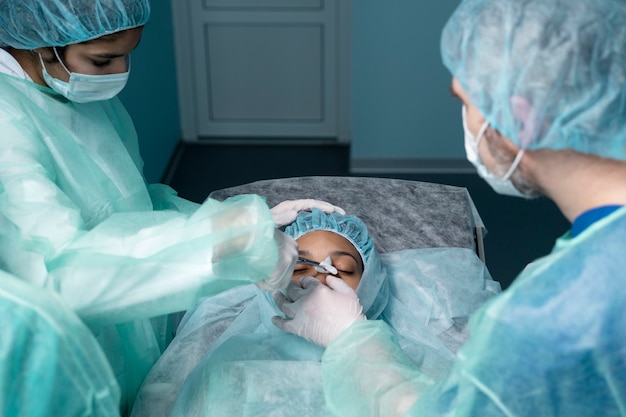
(229, 359)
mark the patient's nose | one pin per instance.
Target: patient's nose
(321, 277)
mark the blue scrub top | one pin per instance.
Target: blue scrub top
(589, 217)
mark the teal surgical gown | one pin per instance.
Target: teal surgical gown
(553, 344)
(50, 363)
(77, 218)
(228, 359)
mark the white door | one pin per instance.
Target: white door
(258, 69)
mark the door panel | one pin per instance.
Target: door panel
(265, 73)
(263, 68)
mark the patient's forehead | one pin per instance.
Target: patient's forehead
(325, 240)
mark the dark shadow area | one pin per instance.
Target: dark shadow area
(518, 231)
(197, 170)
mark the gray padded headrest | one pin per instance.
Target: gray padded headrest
(400, 214)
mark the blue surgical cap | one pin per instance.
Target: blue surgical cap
(30, 24)
(350, 227)
(373, 289)
(565, 58)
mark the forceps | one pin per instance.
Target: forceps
(324, 267)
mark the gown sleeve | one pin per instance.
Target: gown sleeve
(366, 373)
(50, 362)
(120, 259)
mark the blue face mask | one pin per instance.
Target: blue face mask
(501, 185)
(83, 88)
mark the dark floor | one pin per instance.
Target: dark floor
(519, 231)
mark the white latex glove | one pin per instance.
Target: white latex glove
(286, 212)
(287, 258)
(317, 312)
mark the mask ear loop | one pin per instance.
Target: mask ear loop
(516, 162)
(54, 48)
(479, 136)
(481, 133)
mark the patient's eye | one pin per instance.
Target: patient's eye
(301, 269)
(345, 265)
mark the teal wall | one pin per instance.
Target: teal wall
(401, 105)
(151, 94)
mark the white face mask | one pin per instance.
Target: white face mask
(83, 88)
(501, 185)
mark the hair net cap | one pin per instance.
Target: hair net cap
(350, 227)
(561, 64)
(30, 24)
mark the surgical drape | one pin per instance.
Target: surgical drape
(77, 217)
(229, 359)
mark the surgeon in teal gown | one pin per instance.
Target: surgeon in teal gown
(76, 214)
(543, 89)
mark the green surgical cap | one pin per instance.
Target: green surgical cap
(30, 24)
(560, 62)
(350, 227)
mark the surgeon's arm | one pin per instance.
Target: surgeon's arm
(510, 366)
(112, 264)
(366, 373)
(364, 370)
(143, 264)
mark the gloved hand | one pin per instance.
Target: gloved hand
(286, 212)
(317, 312)
(287, 258)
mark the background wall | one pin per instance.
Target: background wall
(401, 103)
(401, 108)
(151, 95)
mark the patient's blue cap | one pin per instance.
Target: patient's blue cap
(373, 289)
(544, 73)
(30, 24)
(350, 227)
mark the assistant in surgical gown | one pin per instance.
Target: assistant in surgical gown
(77, 218)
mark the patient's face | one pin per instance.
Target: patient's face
(319, 245)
